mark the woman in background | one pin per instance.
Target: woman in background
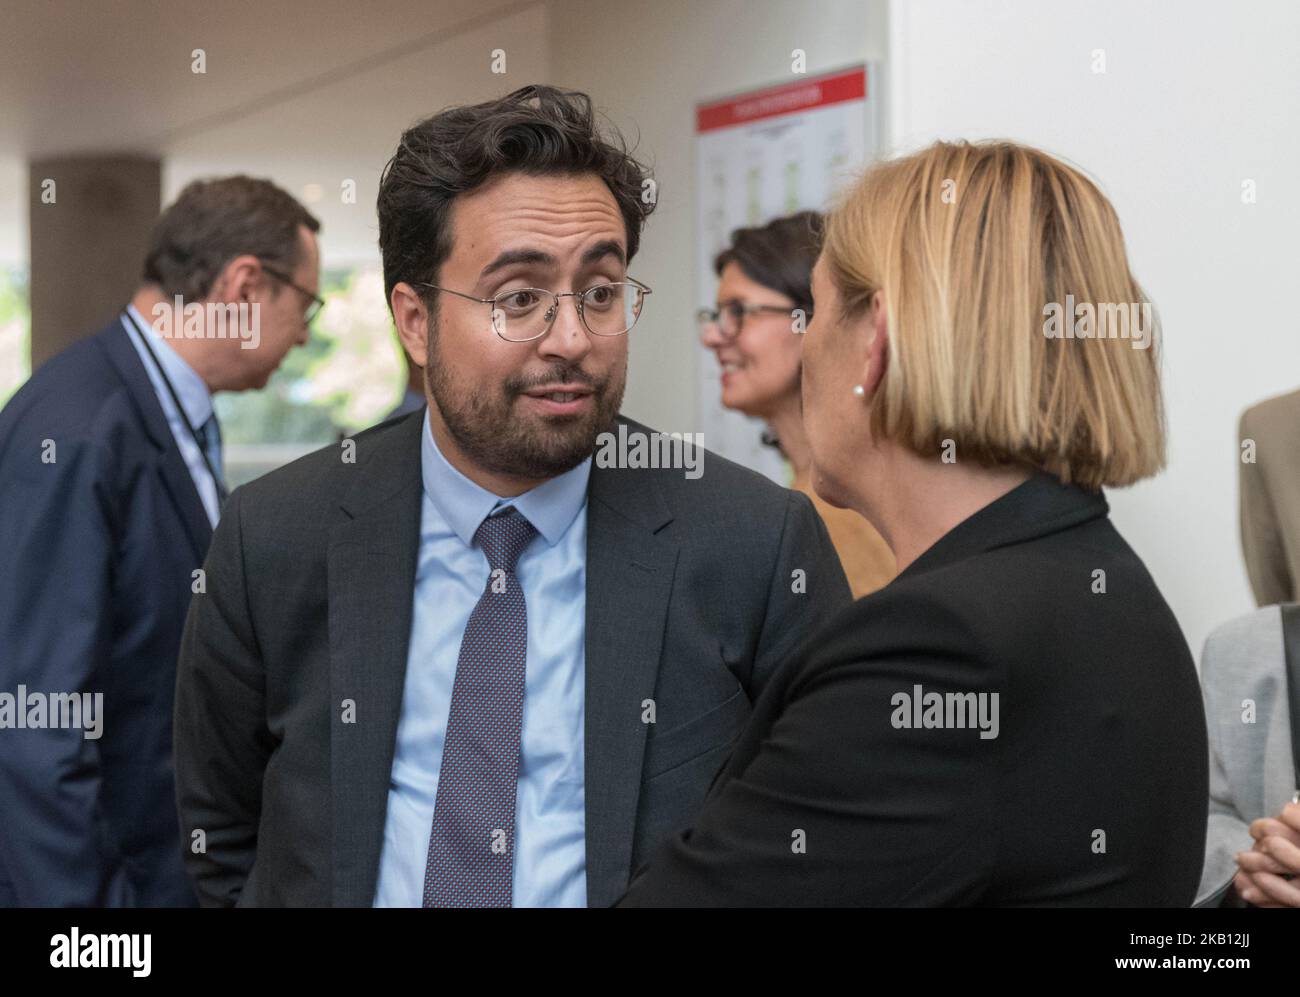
(1015, 719)
(763, 278)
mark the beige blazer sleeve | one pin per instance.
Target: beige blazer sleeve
(1263, 540)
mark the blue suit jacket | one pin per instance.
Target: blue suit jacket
(98, 547)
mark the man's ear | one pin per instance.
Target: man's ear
(876, 326)
(412, 320)
(237, 281)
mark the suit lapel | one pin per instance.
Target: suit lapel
(371, 572)
(629, 581)
(171, 465)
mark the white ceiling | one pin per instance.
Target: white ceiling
(303, 92)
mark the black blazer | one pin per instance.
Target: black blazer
(690, 602)
(1092, 792)
(98, 547)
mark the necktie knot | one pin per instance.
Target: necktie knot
(504, 537)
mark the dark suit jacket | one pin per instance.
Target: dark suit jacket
(98, 550)
(1092, 792)
(690, 602)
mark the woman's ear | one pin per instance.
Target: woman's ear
(876, 328)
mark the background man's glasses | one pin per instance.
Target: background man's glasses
(314, 303)
(729, 318)
(523, 314)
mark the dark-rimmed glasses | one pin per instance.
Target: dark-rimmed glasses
(729, 318)
(315, 302)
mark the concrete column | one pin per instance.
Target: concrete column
(89, 231)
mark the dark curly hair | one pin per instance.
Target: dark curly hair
(536, 130)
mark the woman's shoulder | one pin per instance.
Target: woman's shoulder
(1011, 604)
(921, 607)
(911, 627)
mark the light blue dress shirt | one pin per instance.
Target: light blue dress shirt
(550, 868)
(195, 398)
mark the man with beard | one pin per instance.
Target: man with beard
(451, 662)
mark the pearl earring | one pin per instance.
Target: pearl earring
(859, 390)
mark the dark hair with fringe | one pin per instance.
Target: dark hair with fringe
(779, 255)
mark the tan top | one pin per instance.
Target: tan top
(1270, 499)
(868, 562)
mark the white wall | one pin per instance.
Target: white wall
(646, 66)
(1197, 96)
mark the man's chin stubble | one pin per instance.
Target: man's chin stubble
(542, 448)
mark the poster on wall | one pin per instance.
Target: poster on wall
(760, 155)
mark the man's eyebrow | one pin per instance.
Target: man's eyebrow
(512, 257)
(606, 247)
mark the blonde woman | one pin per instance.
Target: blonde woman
(764, 277)
(1015, 719)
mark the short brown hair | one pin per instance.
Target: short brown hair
(972, 245)
(213, 221)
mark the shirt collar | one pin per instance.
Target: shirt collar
(551, 507)
(195, 398)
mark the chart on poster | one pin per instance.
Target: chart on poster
(759, 155)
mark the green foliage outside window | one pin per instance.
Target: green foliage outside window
(15, 332)
(349, 375)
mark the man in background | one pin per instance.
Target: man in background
(110, 486)
(1270, 498)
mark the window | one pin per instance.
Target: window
(350, 375)
(15, 331)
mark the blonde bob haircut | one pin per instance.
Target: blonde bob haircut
(974, 247)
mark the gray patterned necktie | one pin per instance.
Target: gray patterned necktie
(472, 844)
